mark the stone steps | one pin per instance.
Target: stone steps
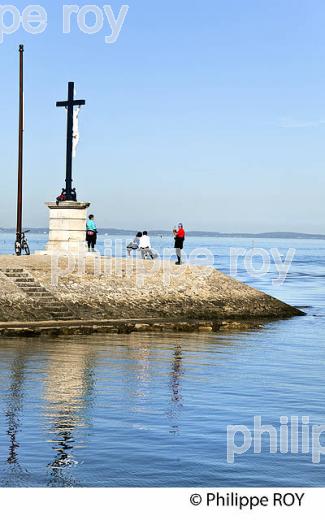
(42, 296)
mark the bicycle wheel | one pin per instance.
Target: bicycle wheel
(17, 248)
(26, 249)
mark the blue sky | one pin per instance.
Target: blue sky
(211, 113)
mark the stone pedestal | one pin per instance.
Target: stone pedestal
(67, 227)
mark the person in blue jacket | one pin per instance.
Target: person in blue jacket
(91, 233)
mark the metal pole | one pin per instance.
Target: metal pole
(20, 145)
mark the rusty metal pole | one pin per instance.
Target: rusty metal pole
(20, 149)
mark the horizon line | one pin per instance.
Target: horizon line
(263, 234)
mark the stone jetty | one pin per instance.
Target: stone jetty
(50, 295)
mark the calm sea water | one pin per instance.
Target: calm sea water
(153, 409)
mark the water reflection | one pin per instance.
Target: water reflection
(151, 409)
(175, 385)
(68, 392)
(137, 380)
(13, 412)
(14, 408)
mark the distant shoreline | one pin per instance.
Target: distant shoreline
(211, 234)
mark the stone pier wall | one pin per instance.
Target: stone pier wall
(135, 289)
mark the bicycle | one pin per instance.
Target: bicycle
(22, 244)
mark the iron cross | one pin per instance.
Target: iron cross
(70, 193)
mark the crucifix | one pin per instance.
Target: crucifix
(69, 192)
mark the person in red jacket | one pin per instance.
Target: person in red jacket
(179, 236)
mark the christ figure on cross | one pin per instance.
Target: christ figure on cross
(76, 135)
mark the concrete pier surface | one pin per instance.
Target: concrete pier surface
(85, 294)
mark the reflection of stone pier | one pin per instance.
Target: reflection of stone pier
(67, 393)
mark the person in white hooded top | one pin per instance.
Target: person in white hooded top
(145, 246)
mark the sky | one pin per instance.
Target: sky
(208, 113)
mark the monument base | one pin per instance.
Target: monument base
(67, 227)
